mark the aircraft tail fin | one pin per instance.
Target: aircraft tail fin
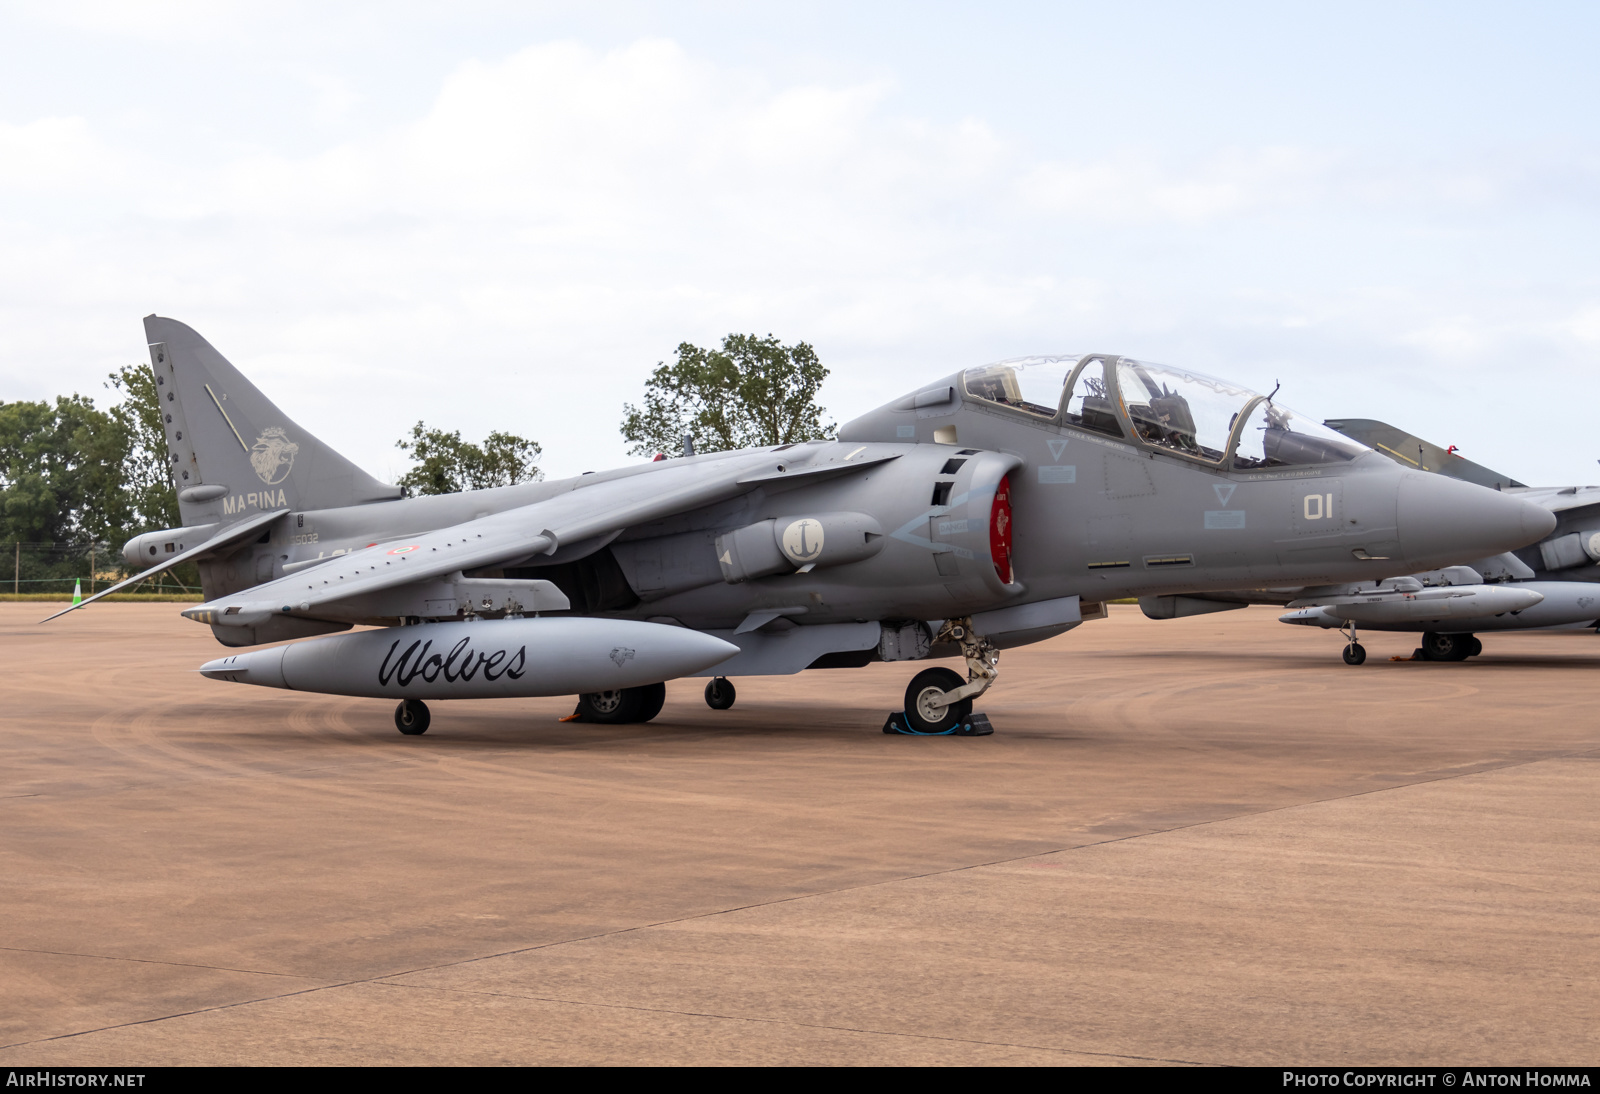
(1412, 451)
(234, 453)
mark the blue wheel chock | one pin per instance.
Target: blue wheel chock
(974, 725)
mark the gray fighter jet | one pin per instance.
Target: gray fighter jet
(996, 507)
(1548, 585)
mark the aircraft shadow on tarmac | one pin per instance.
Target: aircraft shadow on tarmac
(492, 726)
(495, 727)
(1578, 662)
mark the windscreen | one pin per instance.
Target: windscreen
(1089, 406)
(1178, 410)
(1275, 436)
(1032, 384)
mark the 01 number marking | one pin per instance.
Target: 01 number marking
(1318, 506)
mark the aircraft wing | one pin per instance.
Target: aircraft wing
(1559, 499)
(230, 536)
(1412, 451)
(540, 528)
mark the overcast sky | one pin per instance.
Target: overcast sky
(495, 216)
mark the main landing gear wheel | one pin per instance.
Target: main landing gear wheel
(720, 693)
(925, 709)
(1474, 647)
(652, 697)
(622, 706)
(1447, 647)
(411, 717)
(607, 708)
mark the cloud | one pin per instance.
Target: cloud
(49, 153)
(522, 250)
(1585, 325)
(1133, 186)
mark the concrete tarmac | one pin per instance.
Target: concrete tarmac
(1194, 841)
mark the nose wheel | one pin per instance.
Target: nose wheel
(927, 709)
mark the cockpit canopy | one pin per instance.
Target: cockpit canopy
(1173, 410)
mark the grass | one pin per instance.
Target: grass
(135, 598)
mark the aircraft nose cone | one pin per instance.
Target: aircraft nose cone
(1443, 521)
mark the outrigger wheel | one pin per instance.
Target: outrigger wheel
(411, 717)
(720, 693)
(1354, 652)
(925, 711)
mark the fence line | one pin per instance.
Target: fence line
(47, 567)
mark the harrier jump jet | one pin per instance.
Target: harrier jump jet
(995, 507)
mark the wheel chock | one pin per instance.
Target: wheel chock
(974, 725)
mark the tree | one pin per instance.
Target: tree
(147, 471)
(61, 472)
(147, 496)
(447, 465)
(63, 489)
(751, 393)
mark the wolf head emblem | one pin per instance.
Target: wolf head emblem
(621, 655)
(273, 456)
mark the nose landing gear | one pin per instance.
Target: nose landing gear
(927, 709)
(938, 702)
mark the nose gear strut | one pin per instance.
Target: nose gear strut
(983, 660)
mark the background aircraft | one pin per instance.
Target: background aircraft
(1548, 585)
(996, 507)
